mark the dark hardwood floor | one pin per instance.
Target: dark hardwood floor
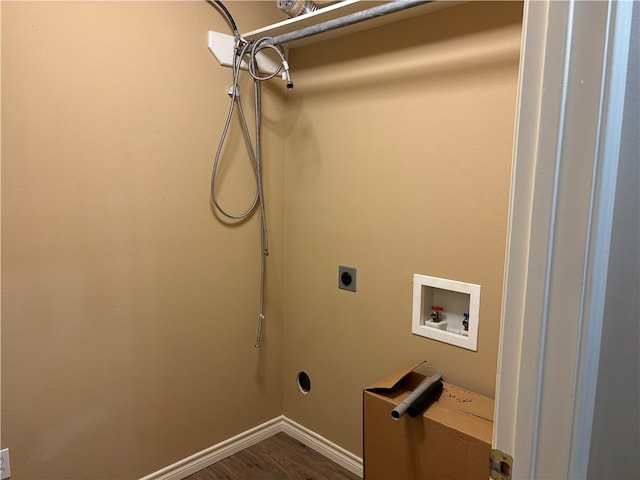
(277, 458)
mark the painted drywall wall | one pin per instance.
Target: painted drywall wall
(614, 441)
(399, 148)
(128, 311)
(131, 310)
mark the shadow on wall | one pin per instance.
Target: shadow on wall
(439, 50)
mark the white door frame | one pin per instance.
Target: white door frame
(571, 93)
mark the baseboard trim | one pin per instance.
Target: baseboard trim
(187, 466)
(323, 446)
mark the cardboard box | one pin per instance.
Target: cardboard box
(450, 440)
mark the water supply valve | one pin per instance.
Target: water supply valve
(436, 313)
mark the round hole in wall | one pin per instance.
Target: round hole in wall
(304, 382)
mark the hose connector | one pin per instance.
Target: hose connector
(258, 343)
(286, 76)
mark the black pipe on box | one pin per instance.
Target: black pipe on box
(420, 398)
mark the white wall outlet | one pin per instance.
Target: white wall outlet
(5, 468)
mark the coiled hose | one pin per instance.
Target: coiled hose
(242, 49)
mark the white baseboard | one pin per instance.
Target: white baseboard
(187, 466)
(323, 446)
(196, 462)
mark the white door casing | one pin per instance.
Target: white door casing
(567, 142)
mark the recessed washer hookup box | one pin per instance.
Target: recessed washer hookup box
(451, 439)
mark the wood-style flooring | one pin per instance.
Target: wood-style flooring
(279, 457)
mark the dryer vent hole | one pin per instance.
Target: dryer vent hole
(304, 382)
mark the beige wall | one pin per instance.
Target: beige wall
(128, 311)
(398, 162)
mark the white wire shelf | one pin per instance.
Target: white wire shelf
(335, 11)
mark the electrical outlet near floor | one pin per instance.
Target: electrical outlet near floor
(5, 468)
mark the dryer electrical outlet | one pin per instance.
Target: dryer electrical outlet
(347, 278)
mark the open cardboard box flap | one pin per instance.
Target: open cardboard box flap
(392, 381)
(451, 439)
(447, 409)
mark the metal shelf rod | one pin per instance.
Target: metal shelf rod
(357, 17)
